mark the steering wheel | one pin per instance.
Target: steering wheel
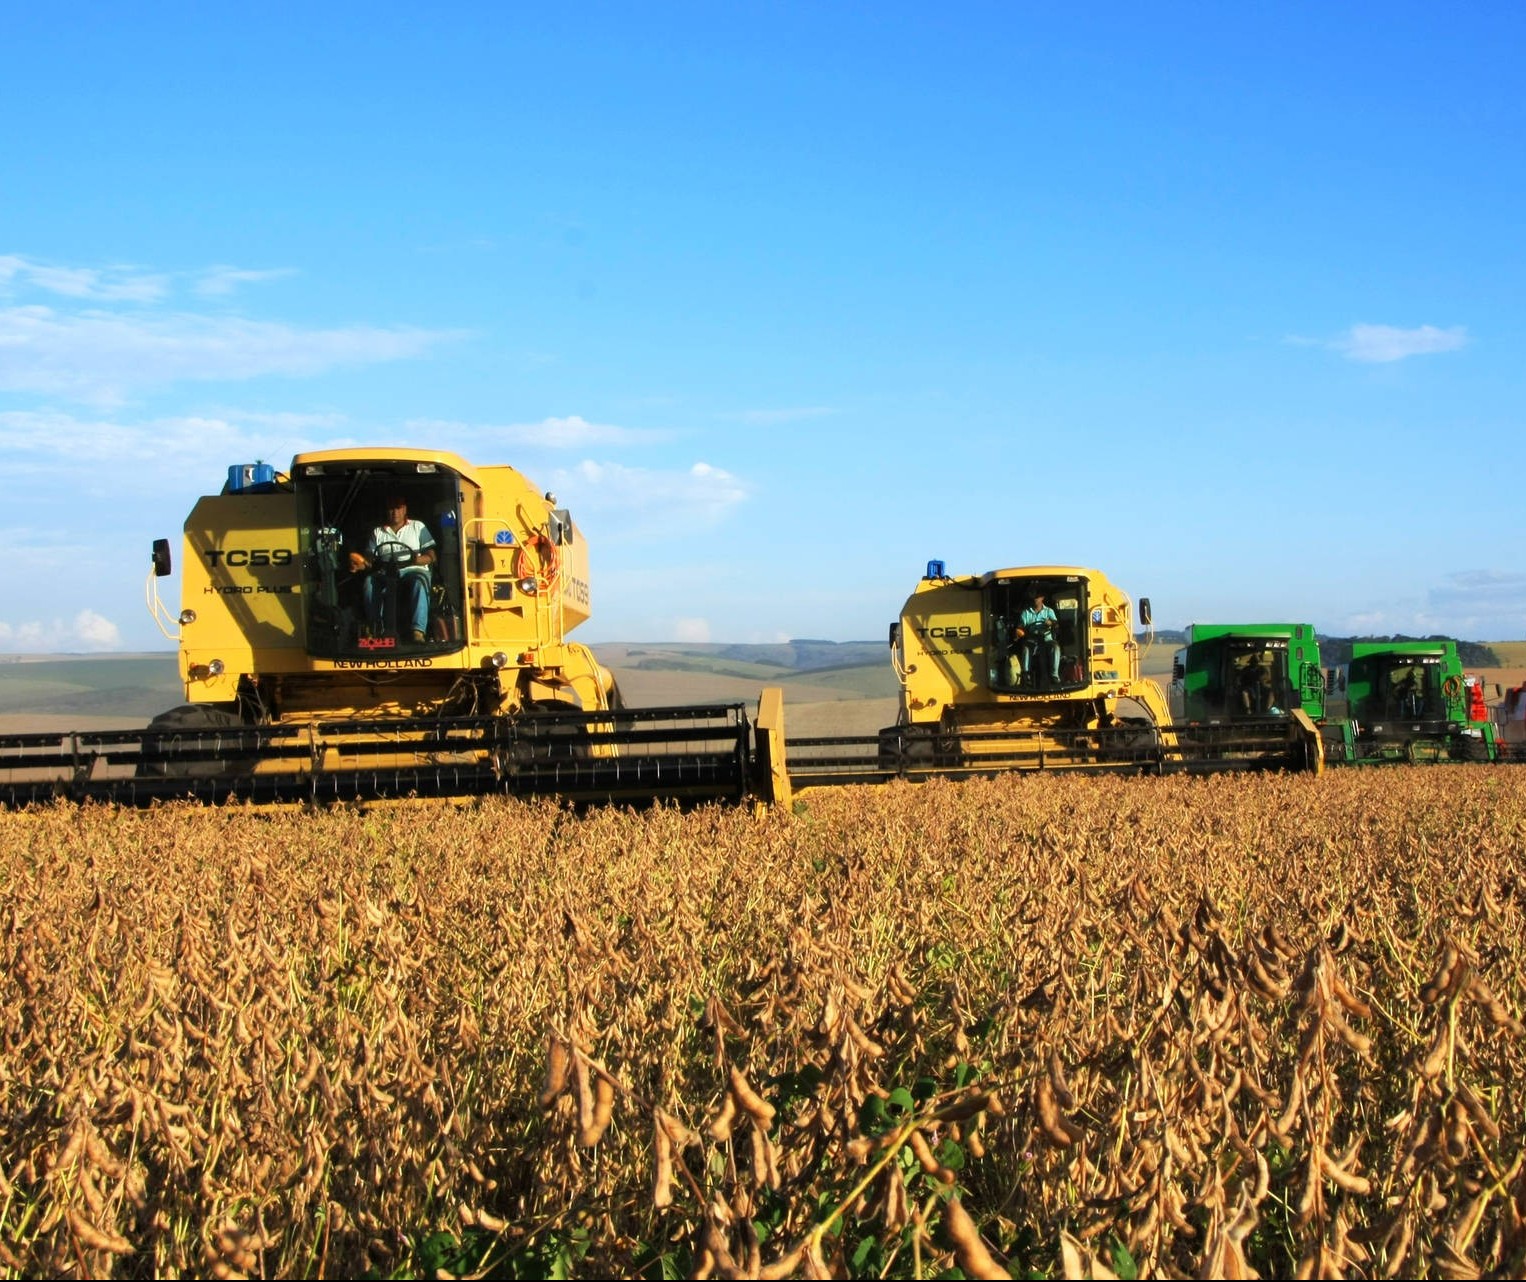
(386, 557)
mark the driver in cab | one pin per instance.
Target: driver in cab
(410, 548)
(1036, 629)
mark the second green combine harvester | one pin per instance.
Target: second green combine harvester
(1410, 701)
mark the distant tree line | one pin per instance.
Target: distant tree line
(1474, 654)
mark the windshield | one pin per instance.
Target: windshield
(1038, 632)
(380, 549)
(1256, 678)
(1408, 688)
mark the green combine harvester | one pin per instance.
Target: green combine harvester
(1248, 671)
(1410, 701)
(1249, 679)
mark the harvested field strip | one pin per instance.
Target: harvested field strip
(1172, 1026)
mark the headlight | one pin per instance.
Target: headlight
(187, 616)
(498, 659)
(215, 668)
(527, 586)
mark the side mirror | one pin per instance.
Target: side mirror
(161, 557)
(895, 634)
(1178, 671)
(1144, 610)
(561, 526)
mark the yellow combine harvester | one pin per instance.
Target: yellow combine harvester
(1033, 668)
(381, 623)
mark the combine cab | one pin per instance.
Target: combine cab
(1033, 668)
(1409, 701)
(378, 624)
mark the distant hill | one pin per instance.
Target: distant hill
(781, 656)
(1474, 654)
(129, 685)
(134, 688)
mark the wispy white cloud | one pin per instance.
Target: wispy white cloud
(54, 443)
(286, 422)
(1380, 344)
(647, 502)
(102, 357)
(217, 282)
(1489, 604)
(570, 433)
(1473, 605)
(105, 284)
(691, 630)
(125, 283)
(87, 630)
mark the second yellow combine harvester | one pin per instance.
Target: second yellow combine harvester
(1035, 668)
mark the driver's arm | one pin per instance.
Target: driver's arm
(362, 560)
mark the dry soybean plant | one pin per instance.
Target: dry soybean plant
(1216, 1027)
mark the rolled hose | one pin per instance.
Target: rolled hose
(546, 554)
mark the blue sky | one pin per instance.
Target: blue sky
(784, 300)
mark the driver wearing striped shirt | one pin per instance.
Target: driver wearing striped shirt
(399, 554)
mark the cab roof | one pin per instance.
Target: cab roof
(440, 458)
(1043, 572)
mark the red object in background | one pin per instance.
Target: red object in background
(1478, 710)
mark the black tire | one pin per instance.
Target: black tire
(1129, 739)
(171, 729)
(904, 748)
